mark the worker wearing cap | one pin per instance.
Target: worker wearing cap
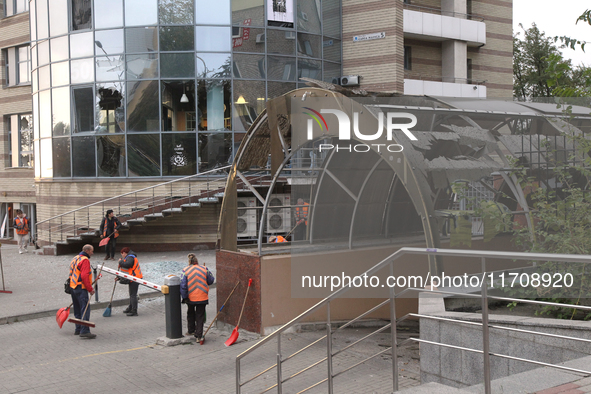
(81, 284)
(21, 225)
(131, 266)
(195, 282)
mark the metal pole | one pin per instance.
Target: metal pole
(96, 298)
(393, 339)
(237, 375)
(329, 348)
(279, 377)
(172, 305)
(485, 331)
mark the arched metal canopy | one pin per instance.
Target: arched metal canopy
(358, 197)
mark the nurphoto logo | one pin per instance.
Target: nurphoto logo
(345, 129)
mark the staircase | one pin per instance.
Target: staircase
(179, 214)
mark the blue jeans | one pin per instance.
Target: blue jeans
(80, 300)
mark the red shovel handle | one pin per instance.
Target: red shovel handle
(249, 282)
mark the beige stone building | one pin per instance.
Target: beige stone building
(16, 129)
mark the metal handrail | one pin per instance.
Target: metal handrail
(482, 255)
(136, 191)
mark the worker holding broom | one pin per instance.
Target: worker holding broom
(195, 282)
(81, 284)
(130, 265)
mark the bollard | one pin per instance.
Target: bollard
(172, 304)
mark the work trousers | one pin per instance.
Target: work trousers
(23, 241)
(111, 247)
(80, 300)
(133, 287)
(196, 319)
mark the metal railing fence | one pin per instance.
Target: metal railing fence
(388, 262)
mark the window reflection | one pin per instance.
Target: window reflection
(142, 66)
(213, 65)
(82, 107)
(177, 38)
(215, 150)
(276, 89)
(59, 49)
(60, 74)
(110, 152)
(249, 66)
(46, 158)
(281, 41)
(141, 12)
(282, 68)
(108, 13)
(82, 70)
(309, 45)
(44, 79)
(178, 106)
(42, 26)
(83, 157)
(176, 12)
(309, 69)
(177, 65)
(142, 106)
(81, 14)
(331, 14)
(108, 42)
(179, 154)
(308, 16)
(215, 39)
(110, 114)
(248, 12)
(141, 39)
(43, 52)
(109, 68)
(58, 17)
(61, 158)
(61, 111)
(214, 105)
(81, 45)
(143, 152)
(212, 12)
(246, 99)
(248, 39)
(45, 114)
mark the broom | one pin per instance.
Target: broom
(107, 312)
(86, 322)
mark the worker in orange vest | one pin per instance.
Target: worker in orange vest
(81, 285)
(110, 228)
(276, 239)
(129, 264)
(301, 217)
(21, 225)
(195, 282)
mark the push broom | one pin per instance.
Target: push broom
(107, 311)
(235, 334)
(216, 316)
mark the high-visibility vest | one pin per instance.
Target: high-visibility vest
(135, 270)
(196, 282)
(302, 212)
(75, 277)
(279, 238)
(22, 226)
(106, 221)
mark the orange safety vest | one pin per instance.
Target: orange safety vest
(75, 278)
(196, 282)
(279, 238)
(135, 270)
(302, 212)
(22, 226)
(105, 220)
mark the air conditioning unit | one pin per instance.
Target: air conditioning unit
(260, 38)
(246, 223)
(278, 218)
(350, 80)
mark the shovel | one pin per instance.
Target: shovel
(235, 334)
(107, 312)
(216, 316)
(62, 315)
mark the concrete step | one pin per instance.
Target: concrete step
(170, 211)
(89, 234)
(191, 205)
(73, 240)
(209, 200)
(136, 222)
(219, 195)
(153, 216)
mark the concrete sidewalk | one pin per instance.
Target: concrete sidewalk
(38, 357)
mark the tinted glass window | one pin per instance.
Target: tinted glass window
(143, 152)
(83, 157)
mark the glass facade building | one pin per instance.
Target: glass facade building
(156, 88)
